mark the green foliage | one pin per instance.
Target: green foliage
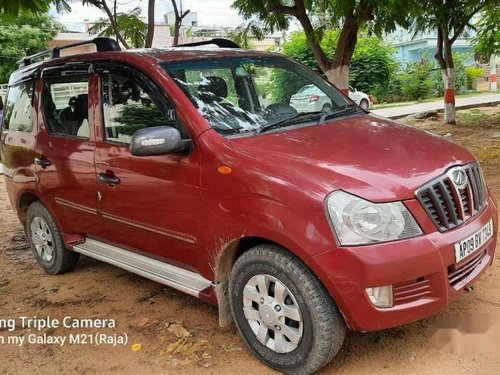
(132, 28)
(487, 39)
(135, 117)
(12, 8)
(459, 59)
(372, 65)
(245, 33)
(22, 36)
(416, 81)
(263, 10)
(473, 72)
(282, 87)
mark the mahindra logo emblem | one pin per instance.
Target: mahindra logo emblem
(459, 177)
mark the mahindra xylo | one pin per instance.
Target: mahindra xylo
(190, 167)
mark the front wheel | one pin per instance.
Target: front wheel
(285, 315)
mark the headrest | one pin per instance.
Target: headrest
(82, 105)
(212, 88)
(72, 101)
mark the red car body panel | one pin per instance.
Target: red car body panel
(181, 209)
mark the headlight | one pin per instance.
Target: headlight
(359, 222)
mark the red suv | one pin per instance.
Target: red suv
(189, 166)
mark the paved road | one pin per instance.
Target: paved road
(468, 102)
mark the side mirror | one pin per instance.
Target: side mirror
(156, 140)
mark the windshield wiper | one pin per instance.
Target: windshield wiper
(289, 121)
(338, 112)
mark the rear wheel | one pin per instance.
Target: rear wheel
(285, 315)
(46, 241)
(364, 104)
(326, 108)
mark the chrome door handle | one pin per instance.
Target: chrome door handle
(107, 179)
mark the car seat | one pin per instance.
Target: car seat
(212, 89)
(69, 119)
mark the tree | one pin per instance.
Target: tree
(244, 33)
(449, 19)
(13, 8)
(179, 16)
(487, 39)
(151, 24)
(372, 64)
(350, 15)
(103, 5)
(20, 36)
(132, 28)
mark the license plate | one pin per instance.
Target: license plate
(470, 244)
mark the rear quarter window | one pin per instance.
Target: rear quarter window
(18, 108)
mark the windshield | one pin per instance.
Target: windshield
(250, 94)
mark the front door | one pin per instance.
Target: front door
(150, 203)
(65, 149)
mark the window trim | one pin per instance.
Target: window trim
(69, 78)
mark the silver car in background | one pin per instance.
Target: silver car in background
(311, 99)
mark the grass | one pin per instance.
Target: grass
(402, 104)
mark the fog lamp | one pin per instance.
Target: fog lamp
(380, 296)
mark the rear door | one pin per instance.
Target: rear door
(149, 203)
(65, 148)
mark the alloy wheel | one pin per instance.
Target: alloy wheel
(272, 313)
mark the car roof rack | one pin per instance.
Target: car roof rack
(219, 42)
(102, 44)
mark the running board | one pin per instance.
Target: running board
(163, 273)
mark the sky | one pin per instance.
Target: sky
(210, 12)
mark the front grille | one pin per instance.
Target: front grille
(457, 274)
(449, 205)
(410, 291)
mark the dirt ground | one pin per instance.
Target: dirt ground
(154, 316)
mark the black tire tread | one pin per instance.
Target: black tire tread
(332, 326)
(65, 260)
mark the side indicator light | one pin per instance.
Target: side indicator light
(224, 169)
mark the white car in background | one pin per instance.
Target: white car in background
(311, 99)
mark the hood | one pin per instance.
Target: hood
(369, 156)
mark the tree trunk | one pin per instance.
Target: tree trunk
(176, 33)
(151, 24)
(444, 57)
(448, 75)
(339, 76)
(343, 53)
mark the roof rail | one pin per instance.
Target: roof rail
(219, 42)
(102, 44)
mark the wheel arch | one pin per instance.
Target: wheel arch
(224, 264)
(25, 200)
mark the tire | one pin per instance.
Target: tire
(46, 241)
(318, 323)
(364, 104)
(326, 108)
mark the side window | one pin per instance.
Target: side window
(65, 107)
(19, 107)
(129, 104)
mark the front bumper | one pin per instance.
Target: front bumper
(422, 271)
